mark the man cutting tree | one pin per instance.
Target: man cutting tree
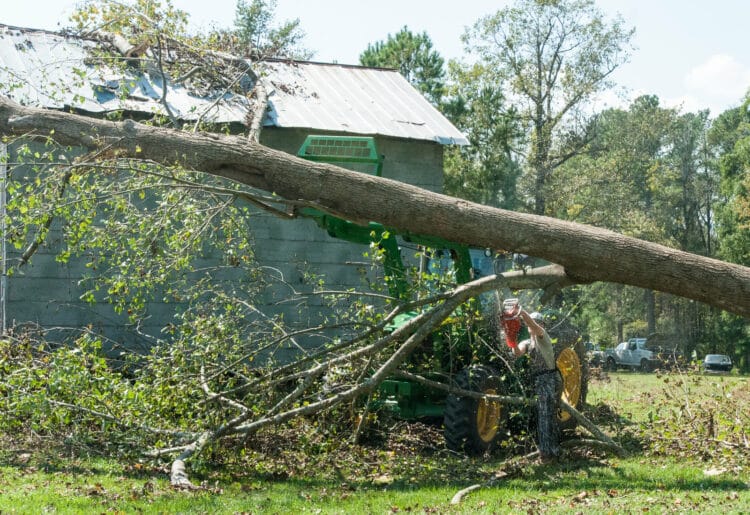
(547, 379)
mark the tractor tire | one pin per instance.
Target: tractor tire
(474, 426)
(611, 365)
(574, 369)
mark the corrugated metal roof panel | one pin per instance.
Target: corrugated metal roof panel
(54, 70)
(352, 99)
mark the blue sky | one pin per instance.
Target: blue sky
(691, 53)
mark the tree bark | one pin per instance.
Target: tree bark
(587, 253)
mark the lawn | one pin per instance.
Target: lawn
(687, 435)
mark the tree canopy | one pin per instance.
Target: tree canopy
(413, 56)
(552, 58)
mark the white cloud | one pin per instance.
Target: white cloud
(691, 104)
(720, 82)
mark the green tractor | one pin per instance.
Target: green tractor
(476, 426)
(456, 354)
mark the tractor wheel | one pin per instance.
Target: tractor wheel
(611, 365)
(571, 361)
(474, 425)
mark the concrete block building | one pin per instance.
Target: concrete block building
(303, 98)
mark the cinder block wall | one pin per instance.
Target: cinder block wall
(46, 293)
(295, 246)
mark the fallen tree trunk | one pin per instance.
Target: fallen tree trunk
(591, 428)
(587, 253)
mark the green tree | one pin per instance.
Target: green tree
(685, 193)
(613, 184)
(413, 56)
(649, 172)
(142, 22)
(729, 138)
(260, 39)
(486, 171)
(730, 135)
(553, 57)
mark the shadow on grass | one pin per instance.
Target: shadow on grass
(52, 460)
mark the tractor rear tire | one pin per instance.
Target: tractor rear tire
(574, 369)
(474, 426)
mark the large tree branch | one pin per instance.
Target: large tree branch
(587, 253)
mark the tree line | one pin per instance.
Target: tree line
(645, 170)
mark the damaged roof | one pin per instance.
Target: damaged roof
(54, 70)
(47, 69)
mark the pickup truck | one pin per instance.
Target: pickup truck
(631, 354)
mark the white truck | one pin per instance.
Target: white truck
(631, 354)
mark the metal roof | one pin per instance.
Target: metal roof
(352, 99)
(48, 69)
(55, 70)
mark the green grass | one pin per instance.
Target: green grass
(628, 390)
(610, 486)
(410, 475)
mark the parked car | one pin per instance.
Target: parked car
(717, 363)
(633, 354)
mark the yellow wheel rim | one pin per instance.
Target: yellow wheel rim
(488, 417)
(572, 376)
